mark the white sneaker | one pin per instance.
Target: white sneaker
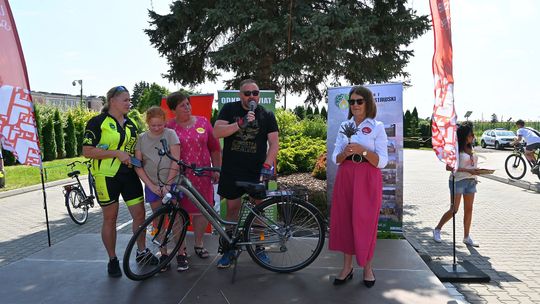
(469, 242)
(437, 235)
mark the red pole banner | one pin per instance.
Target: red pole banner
(18, 132)
(444, 117)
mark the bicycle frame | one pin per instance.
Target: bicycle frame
(184, 185)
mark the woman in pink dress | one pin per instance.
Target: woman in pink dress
(357, 196)
(197, 146)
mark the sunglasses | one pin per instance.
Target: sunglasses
(250, 93)
(359, 101)
(119, 89)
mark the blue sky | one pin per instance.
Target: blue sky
(103, 43)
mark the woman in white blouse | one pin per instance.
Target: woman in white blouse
(357, 195)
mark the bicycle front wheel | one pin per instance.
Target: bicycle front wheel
(285, 235)
(77, 210)
(163, 233)
(515, 166)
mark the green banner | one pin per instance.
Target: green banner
(267, 98)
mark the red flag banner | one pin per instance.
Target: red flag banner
(443, 127)
(18, 132)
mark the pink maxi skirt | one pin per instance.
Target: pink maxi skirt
(356, 203)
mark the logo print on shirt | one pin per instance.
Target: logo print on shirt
(366, 130)
(112, 126)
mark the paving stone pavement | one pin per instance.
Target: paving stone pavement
(505, 224)
(23, 223)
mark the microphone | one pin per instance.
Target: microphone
(252, 105)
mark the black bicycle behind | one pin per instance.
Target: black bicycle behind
(78, 201)
(516, 163)
(289, 230)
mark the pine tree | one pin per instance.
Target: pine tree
(49, 142)
(324, 114)
(300, 112)
(59, 135)
(71, 138)
(350, 40)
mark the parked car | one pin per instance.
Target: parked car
(498, 138)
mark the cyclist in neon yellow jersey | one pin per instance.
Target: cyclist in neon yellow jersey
(109, 140)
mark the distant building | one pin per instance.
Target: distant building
(66, 101)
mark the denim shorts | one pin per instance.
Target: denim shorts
(464, 186)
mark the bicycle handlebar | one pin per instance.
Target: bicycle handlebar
(74, 163)
(164, 151)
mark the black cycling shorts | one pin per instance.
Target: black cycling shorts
(126, 184)
(227, 188)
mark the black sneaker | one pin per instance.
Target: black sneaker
(182, 262)
(113, 268)
(166, 267)
(146, 257)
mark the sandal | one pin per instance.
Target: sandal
(201, 252)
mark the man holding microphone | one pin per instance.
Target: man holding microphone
(250, 147)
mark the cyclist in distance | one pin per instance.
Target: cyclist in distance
(250, 147)
(109, 140)
(532, 139)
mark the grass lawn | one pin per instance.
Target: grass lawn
(21, 176)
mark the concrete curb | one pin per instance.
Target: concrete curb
(23, 190)
(424, 255)
(517, 183)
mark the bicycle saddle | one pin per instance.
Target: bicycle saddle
(255, 190)
(71, 174)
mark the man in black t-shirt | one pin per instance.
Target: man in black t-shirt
(250, 148)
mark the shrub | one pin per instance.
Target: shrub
(71, 138)
(324, 114)
(9, 158)
(59, 135)
(314, 127)
(287, 123)
(137, 119)
(299, 153)
(319, 171)
(49, 142)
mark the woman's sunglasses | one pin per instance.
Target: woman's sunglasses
(359, 101)
(119, 89)
(249, 93)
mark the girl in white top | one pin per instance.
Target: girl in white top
(465, 184)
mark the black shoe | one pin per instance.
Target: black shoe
(146, 258)
(345, 279)
(182, 262)
(369, 284)
(113, 268)
(166, 267)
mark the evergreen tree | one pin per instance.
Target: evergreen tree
(37, 117)
(324, 114)
(309, 112)
(316, 111)
(138, 90)
(350, 40)
(407, 123)
(59, 135)
(414, 130)
(151, 97)
(71, 138)
(49, 142)
(300, 112)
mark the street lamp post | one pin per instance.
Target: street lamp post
(74, 83)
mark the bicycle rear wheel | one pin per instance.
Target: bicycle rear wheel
(515, 166)
(164, 231)
(286, 235)
(77, 210)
